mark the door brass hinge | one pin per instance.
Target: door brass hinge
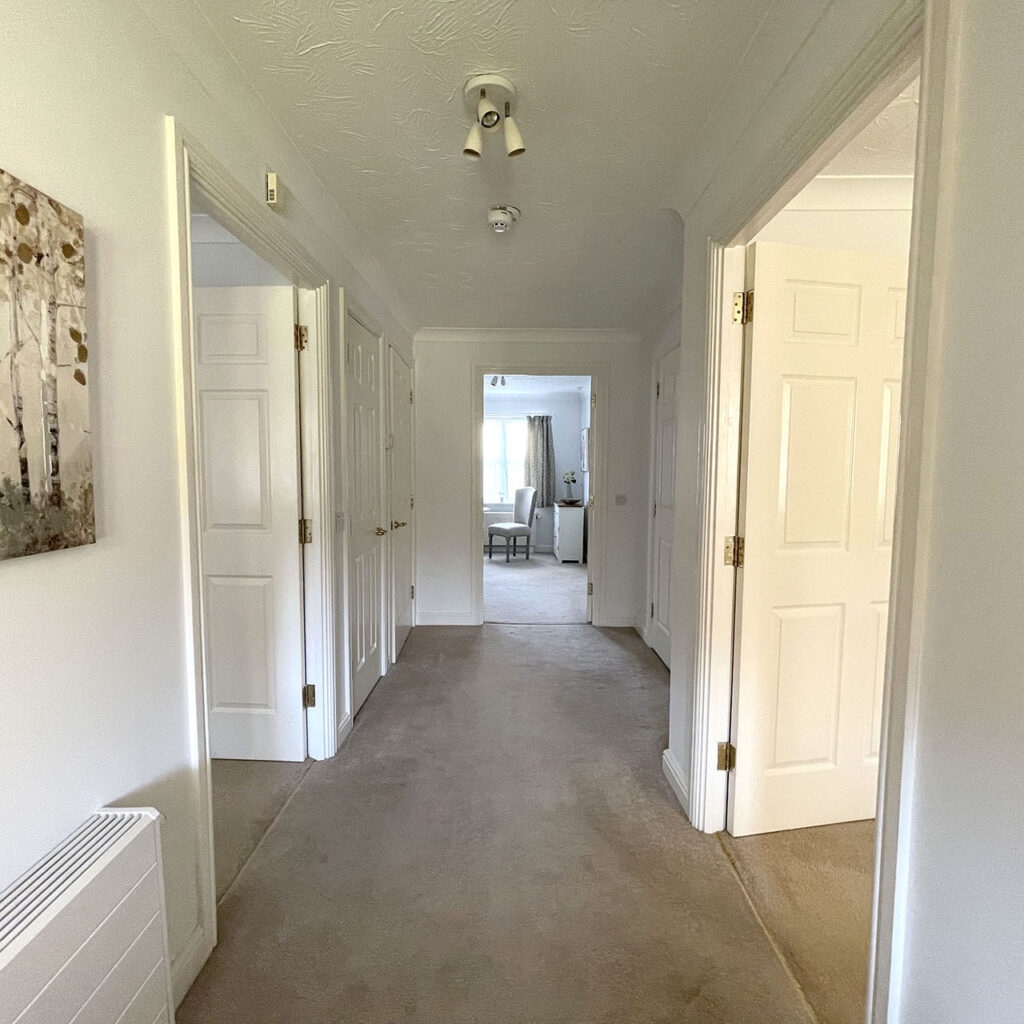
(305, 531)
(410, 396)
(593, 401)
(657, 390)
(309, 696)
(590, 590)
(412, 502)
(726, 757)
(652, 609)
(742, 307)
(734, 551)
(654, 510)
(301, 337)
(590, 504)
(412, 592)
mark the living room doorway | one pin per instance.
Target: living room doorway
(535, 473)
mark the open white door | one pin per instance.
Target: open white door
(663, 508)
(400, 498)
(821, 423)
(367, 530)
(247, 434)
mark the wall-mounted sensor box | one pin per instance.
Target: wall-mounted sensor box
(271, 188)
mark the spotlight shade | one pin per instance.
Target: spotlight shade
(474, 146)
(494, 382)
(514, 145)
(487, 114)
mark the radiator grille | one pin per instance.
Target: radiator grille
(38, 889)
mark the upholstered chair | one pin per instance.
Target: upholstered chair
(523, 511)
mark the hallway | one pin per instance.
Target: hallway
(496, 843)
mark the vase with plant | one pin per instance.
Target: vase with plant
(570, 478)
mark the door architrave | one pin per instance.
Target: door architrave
(190, 166)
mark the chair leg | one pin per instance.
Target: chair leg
(527, 548)
(515, 546)
(507, 549)
(490, 545)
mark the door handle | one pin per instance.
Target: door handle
(380, 531)
(395, 524)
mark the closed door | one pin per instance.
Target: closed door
(364, 390)
(248, 489)
(662, 508)
(821, 423)
(400, 499)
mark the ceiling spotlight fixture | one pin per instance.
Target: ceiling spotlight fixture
(474, 147)
(494, 381)
(501, 218)
(487, 113)
(514, 145)
(486, 96)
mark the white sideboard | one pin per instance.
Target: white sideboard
(569, 533)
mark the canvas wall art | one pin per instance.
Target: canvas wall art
(46, 497)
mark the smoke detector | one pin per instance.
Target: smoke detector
(501, 218)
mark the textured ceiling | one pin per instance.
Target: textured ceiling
(522, 385)
(887, 145)
(612, 96)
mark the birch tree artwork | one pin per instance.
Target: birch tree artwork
(46, 499)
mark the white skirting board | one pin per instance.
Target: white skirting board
(674, 774)
(83, 934)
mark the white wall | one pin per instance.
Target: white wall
(219, 260)
(447, 381)
(858, 214)
(564, 410)
(94, 706)
(964, 950)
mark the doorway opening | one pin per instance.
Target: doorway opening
(812, 336)
(536, 474)
(245, 382)
(258, 509)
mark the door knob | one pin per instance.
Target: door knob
(395, 524)
(380, 531)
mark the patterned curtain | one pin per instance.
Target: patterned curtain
(540, 459)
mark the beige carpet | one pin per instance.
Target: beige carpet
(812, 887)
(247, 797)
(495, 843)
(541, 590)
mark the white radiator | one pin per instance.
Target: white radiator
(83, 934)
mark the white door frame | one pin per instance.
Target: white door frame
(596, 533)
(890, 59)
(188, 164)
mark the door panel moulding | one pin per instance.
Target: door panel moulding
(190, 166)
(889, 61)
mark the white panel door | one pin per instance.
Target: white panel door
(821, 419)
(248, 459)
(663, 508)
(364, 393)
(400, 499)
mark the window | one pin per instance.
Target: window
(504, 458)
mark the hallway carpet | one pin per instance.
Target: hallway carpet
(541, 590)
(495, 843)
(812, 888)
(247, 797)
